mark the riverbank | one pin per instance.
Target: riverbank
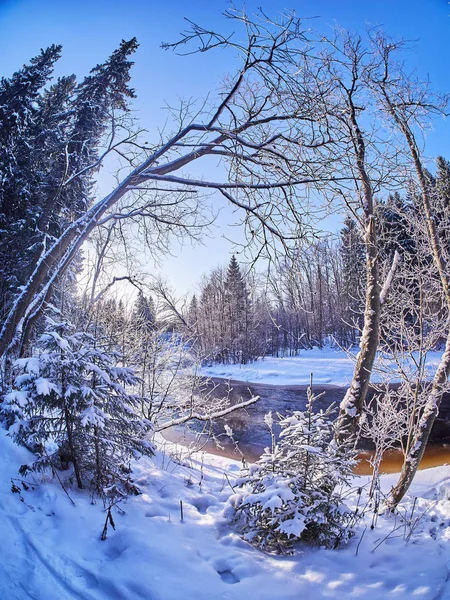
(435, 455)
(330, 366)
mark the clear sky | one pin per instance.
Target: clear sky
(90, 30)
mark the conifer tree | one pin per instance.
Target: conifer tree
(293, 492)
(193, 316)
(440, 184)
(394, 229)
(237, 311)
(70, 406)
(50, 141)
(143, 316)
(23, 144)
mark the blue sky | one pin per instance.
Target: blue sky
(90, 30)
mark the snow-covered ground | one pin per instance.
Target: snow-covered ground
(51, 550)
(328, 366)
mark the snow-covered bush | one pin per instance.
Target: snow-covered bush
(70, 406)
(295, 491)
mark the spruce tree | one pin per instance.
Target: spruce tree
(23, 148)
(143, 317)
(394, 227)
(70, 406)
(238, 317)
(193, 316)
(50, 140)
(294, 491)
(441, 192)
(101, 94)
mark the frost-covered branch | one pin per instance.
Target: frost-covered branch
(207, 416)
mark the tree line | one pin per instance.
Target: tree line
(316, 296)
(236, 317)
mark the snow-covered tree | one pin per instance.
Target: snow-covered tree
(21, 165)
(143, 317)
(294, 492)
(224, 320)
(51, 139)
(71, 407)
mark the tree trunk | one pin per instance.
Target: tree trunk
(72, 449)
(422, 434)
(57, 259)
(352, 405)
(431, 410)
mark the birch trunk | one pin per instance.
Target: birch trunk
(353, 403)
(417, 447)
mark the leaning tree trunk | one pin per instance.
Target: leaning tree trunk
(354, 400)
(57, 259)
(422, 434)
(434, 400)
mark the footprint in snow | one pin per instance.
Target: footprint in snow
(228, 577)
(116, 551)
(90, 580)
(202, 503)
(225, 570)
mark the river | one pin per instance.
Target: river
(251, 433)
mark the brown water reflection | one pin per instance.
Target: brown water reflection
(392, 461)
(435, 455)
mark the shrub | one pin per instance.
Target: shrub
(295, 491)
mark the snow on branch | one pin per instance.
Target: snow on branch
(207, 416)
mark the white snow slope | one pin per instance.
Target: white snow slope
(51, 550)
(328, 366)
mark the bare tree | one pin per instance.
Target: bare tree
(410, 328)
(261, 127)
(367, 163)
(409, 103)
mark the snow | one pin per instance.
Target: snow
(61, 342)
(44, 387)
(30, 365)
(328, 366)
(51, 549)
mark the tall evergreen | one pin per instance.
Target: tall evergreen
(95, 100)
(193, 318)
(143, 316)
(22, 150)
(394, 227)
(441, 194)
(237, 311)
(50, 143)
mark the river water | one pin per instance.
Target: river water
(252, 435)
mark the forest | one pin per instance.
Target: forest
(98, 360)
